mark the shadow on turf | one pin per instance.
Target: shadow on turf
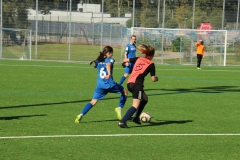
(106, 120)
(210, 89)
(163, 122)
(19, 117)
(158, 123)
(54, 103)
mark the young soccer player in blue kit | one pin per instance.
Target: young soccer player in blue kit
(105, 83)
(130, 52)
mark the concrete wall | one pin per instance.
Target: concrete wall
(80, 17)
(89, 7)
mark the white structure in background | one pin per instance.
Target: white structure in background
(87, 13)
(85, 7)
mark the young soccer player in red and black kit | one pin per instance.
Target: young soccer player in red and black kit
(142, 66)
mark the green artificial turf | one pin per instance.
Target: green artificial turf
(195, 114)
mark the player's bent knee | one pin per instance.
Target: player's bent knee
(145, 97)
(125, 92)
(94, 102)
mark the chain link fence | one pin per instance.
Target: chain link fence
(71, 34)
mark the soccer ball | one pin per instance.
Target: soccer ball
(145, 117)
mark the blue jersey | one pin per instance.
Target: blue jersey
(102, 72)
(131, 50)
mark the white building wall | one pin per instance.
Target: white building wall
(90, 13)
(89, 7)
(78, 17)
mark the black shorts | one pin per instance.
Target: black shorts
(136, 90)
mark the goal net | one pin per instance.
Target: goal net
(177, 46)
(15, 43)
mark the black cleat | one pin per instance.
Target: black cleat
(136, 120)
(122, 125)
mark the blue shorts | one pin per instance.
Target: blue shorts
(128, 69)
(100, 93)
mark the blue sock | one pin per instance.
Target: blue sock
(128, 114)
(122, 80)
(86, 108)
(122, 101)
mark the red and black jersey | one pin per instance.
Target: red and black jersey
(141, 68)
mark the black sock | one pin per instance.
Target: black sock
(128, 114)
(140, 108)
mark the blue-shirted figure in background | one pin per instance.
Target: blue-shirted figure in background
(105, 83)
(130, 52)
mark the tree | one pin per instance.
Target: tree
(111, 8)
(46, 5)
(182, 13)
(15, 14)
(148, 14)
(129, 23)
(150, 23)
(8, 15)
(171, 23)
(137, 22)
(215, 18)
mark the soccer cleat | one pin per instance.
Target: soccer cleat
(119, 116)
(198, 68)
(78, 119)
(136, 120)
(122, 125)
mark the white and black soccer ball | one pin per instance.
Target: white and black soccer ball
(145, 117)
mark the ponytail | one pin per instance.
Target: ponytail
(146, 49)
(102, 55)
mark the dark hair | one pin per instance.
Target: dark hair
(133, 36)
(102, 55)
(146, 49)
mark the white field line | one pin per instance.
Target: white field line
(116, 135)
